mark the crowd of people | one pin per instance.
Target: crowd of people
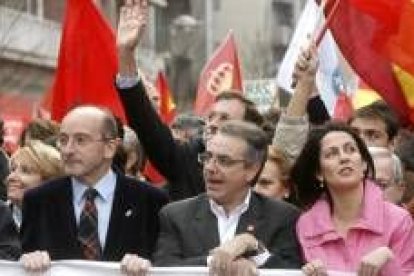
(243, 191)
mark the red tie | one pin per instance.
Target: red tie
(88, 227)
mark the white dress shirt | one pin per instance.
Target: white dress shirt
(227, 225)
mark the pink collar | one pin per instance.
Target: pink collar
(371, 219)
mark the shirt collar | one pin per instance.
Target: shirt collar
(105, 187)
(240, 209)
(371, 218)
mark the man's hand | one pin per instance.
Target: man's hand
(244, 267)
(36, 261)
(372, 262)
(132, 265)
(223, 256)
(306, 66)
(132, 21)
(315, 268)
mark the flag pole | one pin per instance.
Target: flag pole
(328, 20)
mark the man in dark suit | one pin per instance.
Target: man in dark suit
(230, 228)
(93, 213)
(175, 160)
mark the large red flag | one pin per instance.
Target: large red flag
(221, 72)
(87, 62)
(400, 44)
(167, 106)
(355, 32)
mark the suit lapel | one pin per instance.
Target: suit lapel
(205, 224)
(251, 220)
(112, 236)
(68, 222)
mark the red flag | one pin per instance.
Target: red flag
(167, 106)
(354, 32)
(221, 72)
(87, 62)
(399, 47)
(385, 11)
(152, 174)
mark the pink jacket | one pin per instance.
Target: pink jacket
(381, 224)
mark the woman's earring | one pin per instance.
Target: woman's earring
(321, 184)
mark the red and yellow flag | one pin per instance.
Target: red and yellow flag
(370, 36)
(87, 62)
(167, 106)
(221, 72)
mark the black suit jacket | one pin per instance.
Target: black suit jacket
(189, 231)
(9, 237)
(176, 161)
(49, 220)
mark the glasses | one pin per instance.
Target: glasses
(222, 160)
(78, 140)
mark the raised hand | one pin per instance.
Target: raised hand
(132, 21)
(306, 66)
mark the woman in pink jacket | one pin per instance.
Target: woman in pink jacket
(346, 225)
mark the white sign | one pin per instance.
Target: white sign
(88, 268)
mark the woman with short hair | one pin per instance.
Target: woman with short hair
(30, 166)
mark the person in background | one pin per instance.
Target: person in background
(4, 163)
(346, 224)
(405, 152)
(135, 154)
(377, 124)
(40, 129)
(187, 126)
(388, 173)
(30, 166)
(174, 160)
(274, 178)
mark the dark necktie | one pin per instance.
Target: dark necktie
(88, 227)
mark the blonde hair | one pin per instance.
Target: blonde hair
(279, 158)
(44, 157)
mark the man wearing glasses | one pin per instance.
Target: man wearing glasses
(95, 213)
(230, 228)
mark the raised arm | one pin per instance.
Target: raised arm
(132, 21)
(155, 136)
(292, 130)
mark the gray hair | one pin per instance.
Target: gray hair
(254, 136)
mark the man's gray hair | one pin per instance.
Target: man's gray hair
(254, 136)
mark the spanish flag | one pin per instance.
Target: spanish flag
(374, 37)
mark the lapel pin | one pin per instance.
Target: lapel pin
(128, 213)
(250, 228)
